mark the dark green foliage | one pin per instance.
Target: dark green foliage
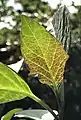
(62, 27)
(73, 71)
(72, 74)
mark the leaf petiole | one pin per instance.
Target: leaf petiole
(44, 105)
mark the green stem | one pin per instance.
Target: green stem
(58, 102)
(56, 95)
(43, 104)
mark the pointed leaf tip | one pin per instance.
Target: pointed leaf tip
(43, 52)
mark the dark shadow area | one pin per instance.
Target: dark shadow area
(73, 84)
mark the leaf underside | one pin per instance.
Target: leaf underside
(43, 52)
(12, 86)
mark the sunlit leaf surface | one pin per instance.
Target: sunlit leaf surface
(12, 86)
(43, 52)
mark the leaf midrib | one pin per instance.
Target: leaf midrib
(37, 56)
(40, 49)
(15, 91)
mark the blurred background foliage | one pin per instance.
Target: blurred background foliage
(76, 23)
(11, 16)
(10, 53)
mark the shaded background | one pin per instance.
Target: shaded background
(10, 53)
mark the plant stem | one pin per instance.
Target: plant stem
(43, 104)
(56, 95)
(58, 102)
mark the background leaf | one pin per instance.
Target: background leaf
(12, 86)
(9, 115)
(38, 114)
(43, 52)
(62, 27)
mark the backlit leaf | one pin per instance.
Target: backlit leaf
(12, 86)
(43, 52)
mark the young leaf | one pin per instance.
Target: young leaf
(43, 52)
(12, 86)
(9, 115)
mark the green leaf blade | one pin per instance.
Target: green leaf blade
(43, 52)
(12, 86)
(9, 115)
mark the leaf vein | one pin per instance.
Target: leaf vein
(39, 46)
